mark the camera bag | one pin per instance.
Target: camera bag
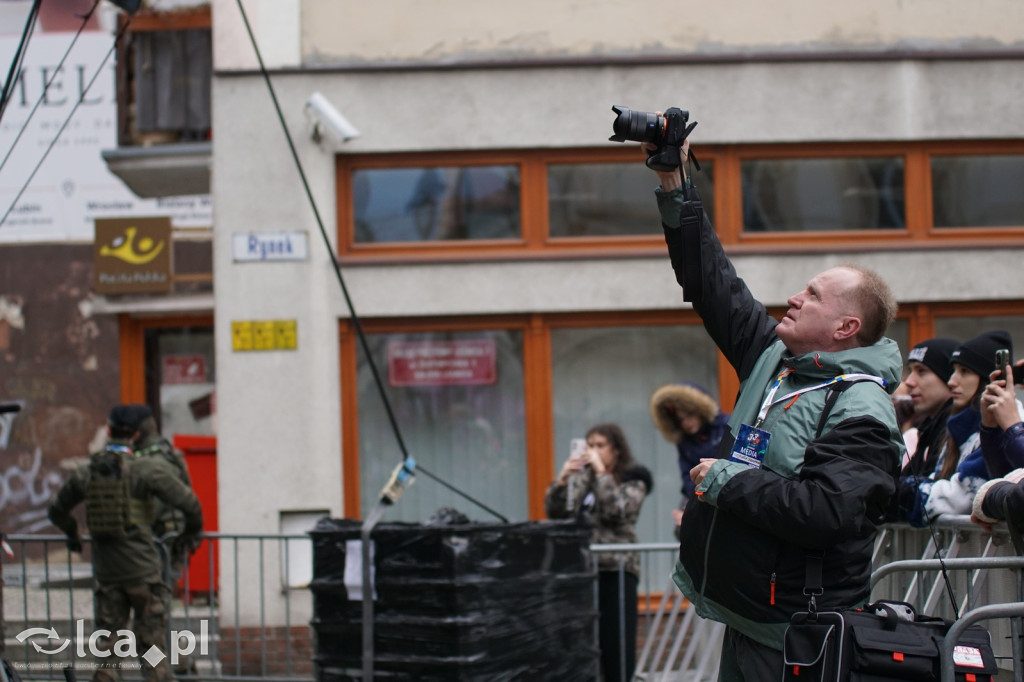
(881, 642)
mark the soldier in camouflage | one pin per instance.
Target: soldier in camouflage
(119, 489)
(168, 522)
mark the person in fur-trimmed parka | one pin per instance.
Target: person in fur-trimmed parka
(688, 418)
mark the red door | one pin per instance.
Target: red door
(201, 458)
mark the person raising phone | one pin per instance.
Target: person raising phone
(1002, 419)
(609, 488)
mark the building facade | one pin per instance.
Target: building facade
(501, 282)
(482, 212)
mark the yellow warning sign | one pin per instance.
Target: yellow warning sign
(264, 335)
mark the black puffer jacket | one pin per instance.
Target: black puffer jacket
(747, 533)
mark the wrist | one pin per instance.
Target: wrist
(670, 181)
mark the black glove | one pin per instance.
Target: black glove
(74, 544)
(187, 544)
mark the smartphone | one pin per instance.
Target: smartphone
(1002, 360)
(577, 447)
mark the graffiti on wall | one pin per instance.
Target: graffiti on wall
(27, 488)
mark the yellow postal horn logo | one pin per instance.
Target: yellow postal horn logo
(124, 248)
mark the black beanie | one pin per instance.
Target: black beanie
(129, 416)
(934, 354)
(979, 354)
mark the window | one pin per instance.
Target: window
(164, 70)
(500, 428)
(610, 199)
(471, 400)
(806, 195)
(978, 191)
(181, 379)
(458, 399)
(531, 203)
(607, 374)
(436, 203)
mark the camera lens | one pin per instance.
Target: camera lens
(640, 126)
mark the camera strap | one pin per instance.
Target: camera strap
(691, 218)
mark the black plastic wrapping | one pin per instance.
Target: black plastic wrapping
(471, 601)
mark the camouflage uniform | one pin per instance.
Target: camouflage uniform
(613, 510)
(167, 519)
(127, 569)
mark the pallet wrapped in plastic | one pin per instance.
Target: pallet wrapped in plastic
(471, 601)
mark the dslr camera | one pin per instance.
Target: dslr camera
(666, 131)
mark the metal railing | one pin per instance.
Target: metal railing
(246, 603)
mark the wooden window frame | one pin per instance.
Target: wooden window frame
(537, 380)
(535, 242)
(132, 341)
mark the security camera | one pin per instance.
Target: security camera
(328, 120)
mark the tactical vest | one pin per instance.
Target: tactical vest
(110, 509)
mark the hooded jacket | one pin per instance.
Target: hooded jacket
(691, 449)
(827, 475)
(135, 557)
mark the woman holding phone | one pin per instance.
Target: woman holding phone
(1002, 420)
(604, 486)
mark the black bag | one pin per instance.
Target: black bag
(881, 642)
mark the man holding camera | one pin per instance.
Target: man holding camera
(812, 451)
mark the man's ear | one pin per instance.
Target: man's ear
(848, 328)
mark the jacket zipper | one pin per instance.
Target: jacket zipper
(771, 600)
(707, 552)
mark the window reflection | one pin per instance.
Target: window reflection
(801, 195)
(607, 374)
(436, 204)
(458, 399)
(181, 379)
(609, 199)
(978, 191)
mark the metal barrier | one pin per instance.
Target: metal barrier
(255, 624)
(679, 645)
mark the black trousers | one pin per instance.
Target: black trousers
(617, 627)
(746, 660)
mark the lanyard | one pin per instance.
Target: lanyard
(769, 401)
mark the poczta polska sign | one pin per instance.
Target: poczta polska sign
(133, 255)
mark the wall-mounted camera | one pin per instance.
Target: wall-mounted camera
(328, 121)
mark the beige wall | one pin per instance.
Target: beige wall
(354, 31)
(358, 33)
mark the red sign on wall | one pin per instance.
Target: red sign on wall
(442, 363)
(184, 369)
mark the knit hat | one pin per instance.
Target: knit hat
(129, 416)
(669, 400)
(978, 354)
(934, 354)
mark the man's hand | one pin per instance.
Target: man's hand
(698, 472)
(674, 178)
(187, 544)
(74, 544)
